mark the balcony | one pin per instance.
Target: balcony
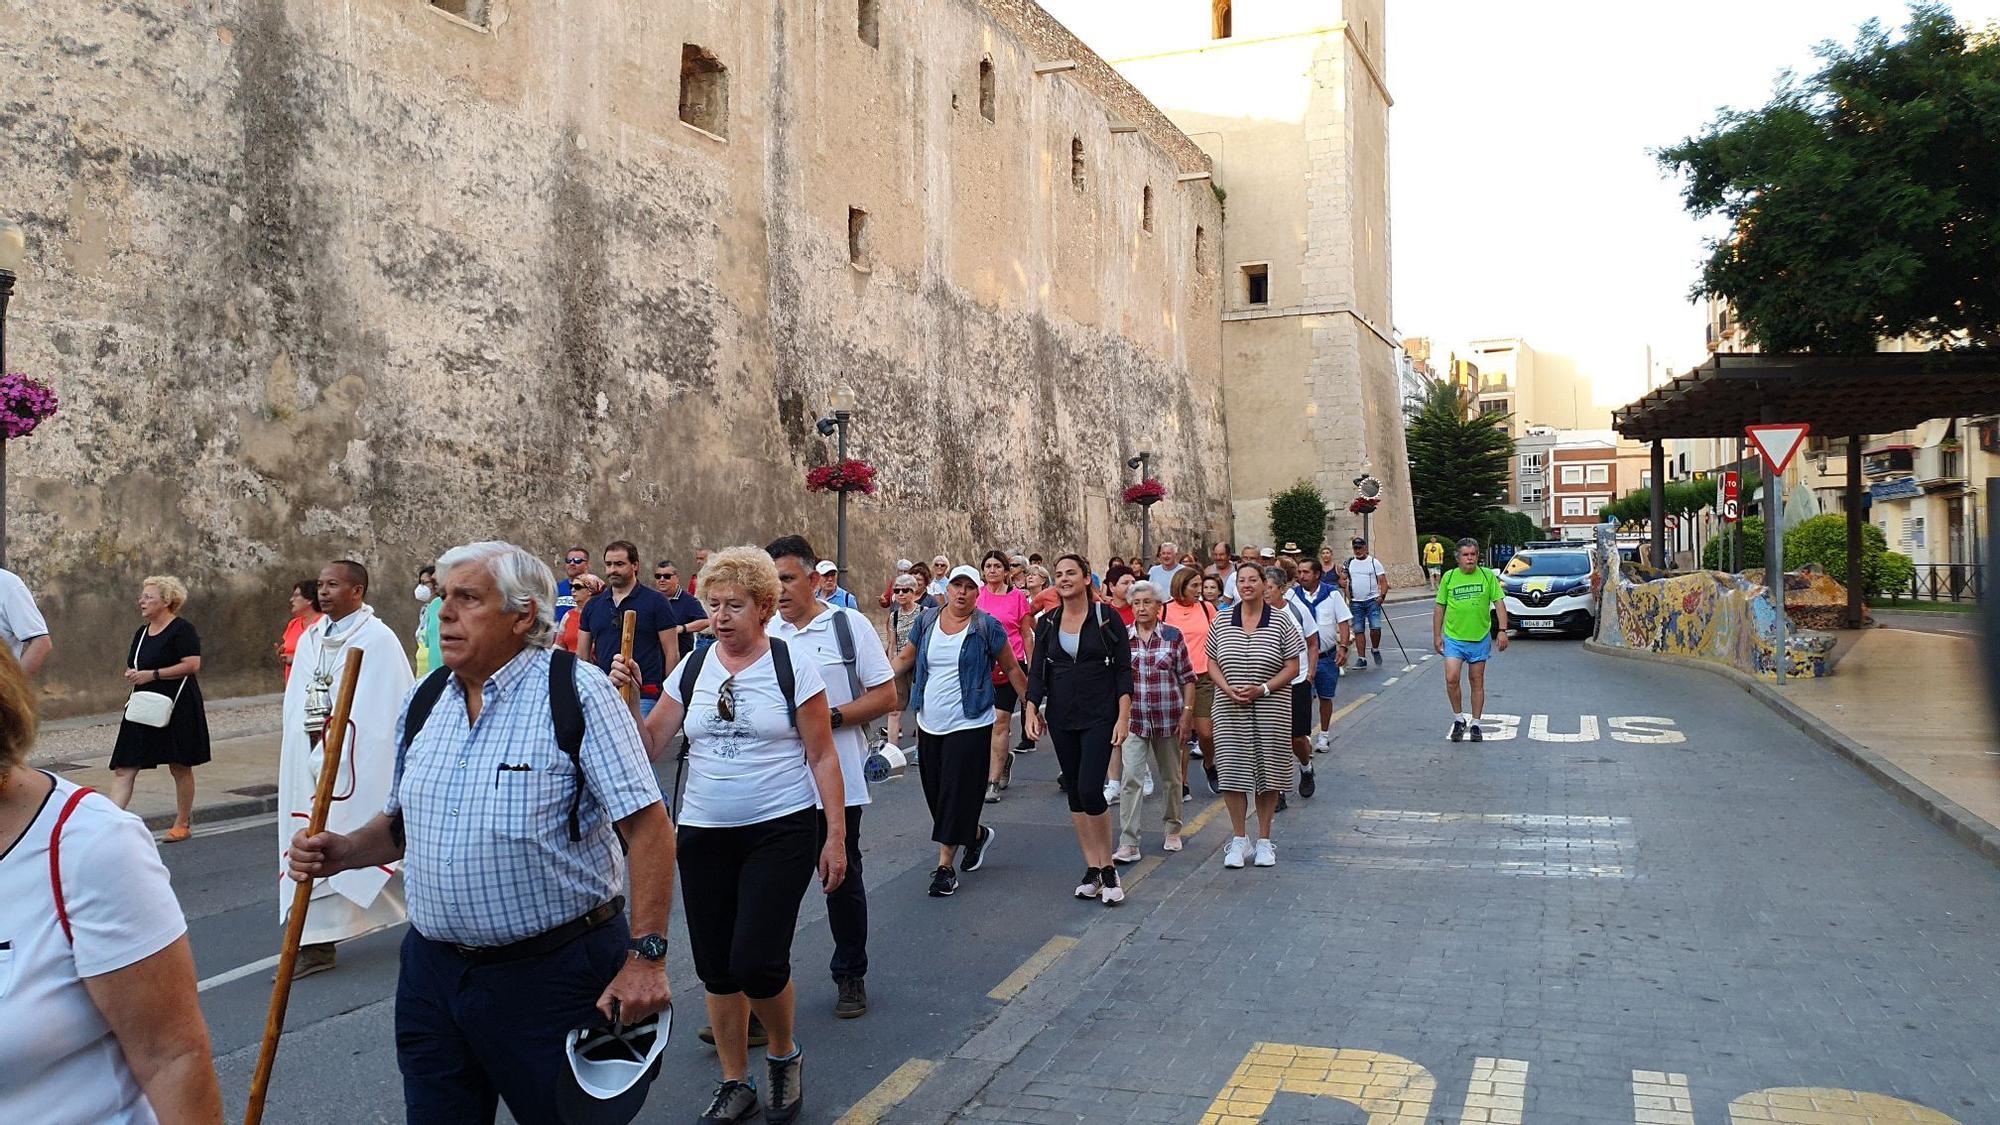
(1935, 466)
(1887, 461)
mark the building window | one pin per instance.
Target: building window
(986, 88)
(857, 237)
(868, 22)
(1531, 494)
(704, 90)
(1146, 210)
(1572, 506)
(1219, 19)
(1572, 474)
(1493, 406)
(1531, 463)
(1257, 284)
(1917, 533)
(1076, 179)
(1201, 251)
(1597, 474)
(471, 11)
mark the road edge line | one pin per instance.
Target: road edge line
(888, 1093)
(1037, 963)
(1962, 824)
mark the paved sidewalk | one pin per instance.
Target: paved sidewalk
(241, 778)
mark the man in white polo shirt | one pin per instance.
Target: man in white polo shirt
(21, 624)
(1368, 580)
(860, 688)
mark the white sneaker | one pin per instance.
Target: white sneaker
(1111, 792)
(1267, 854)
(1146, 784)
(1126, 855)
(1319, 742)
(1232, 853)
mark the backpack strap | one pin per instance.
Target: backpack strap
(843, 633)
(566, 711)
(781, 664)
(55, 860)
(419, 712)
(690, 672)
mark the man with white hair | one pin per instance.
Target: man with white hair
(519, 769)
(1162, 573)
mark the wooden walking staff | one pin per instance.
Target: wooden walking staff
(295, 922)
(625, 650)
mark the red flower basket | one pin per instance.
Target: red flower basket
(1364, 504)
(1148, 491)
(851, 475)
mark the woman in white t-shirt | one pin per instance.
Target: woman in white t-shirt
(96, 980)
(747, 830)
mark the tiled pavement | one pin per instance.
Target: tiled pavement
(1733, 927)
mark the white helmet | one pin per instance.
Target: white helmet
(608, 1061)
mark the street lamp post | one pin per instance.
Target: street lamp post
(1138, 461)
(1368, 488)
(835, 425)
(13, 248)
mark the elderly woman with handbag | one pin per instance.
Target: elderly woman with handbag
(165, 724)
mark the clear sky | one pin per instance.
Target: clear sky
(1525, 202)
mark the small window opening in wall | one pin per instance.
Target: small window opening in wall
(857, 237)
(1219, 18)
(471, 11)
(1200, 250)
(1076, 179)
(1146, 210)
(868, 22)
(704, 90)
(1257, 284)
(986, 88)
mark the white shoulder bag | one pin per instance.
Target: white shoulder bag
(150, 708)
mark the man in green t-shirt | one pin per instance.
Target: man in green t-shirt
(1462, 632)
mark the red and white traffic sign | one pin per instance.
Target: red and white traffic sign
(1731, 510)
(1728, 487)
(1778, 441)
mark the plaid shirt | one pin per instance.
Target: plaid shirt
(1160, 669)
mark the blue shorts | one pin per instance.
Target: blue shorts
(1326, 677)
(1367, 615)
(1471, 652)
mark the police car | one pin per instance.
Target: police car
(1548, 590)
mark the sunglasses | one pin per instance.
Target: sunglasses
(577, 561)
(663, 575)
(725, 701)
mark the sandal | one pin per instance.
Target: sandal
(177, 833)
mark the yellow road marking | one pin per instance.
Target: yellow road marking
(1018, 981)
(1394, 1091)
(1358, 701)
(1814, 1105)
(900, 1084)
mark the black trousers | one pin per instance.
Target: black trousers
(740, 891)
(1085, 757)
(953, 769)
(847, 906)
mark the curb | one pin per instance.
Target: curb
(234, 809)
(1966, 827)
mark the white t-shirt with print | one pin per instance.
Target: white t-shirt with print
(20, 620)
(1364, 578)
(752, 769)
(871, 664)
(59, 1061)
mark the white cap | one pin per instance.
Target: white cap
(826, 566)
(904, 564)
(1268, 553)
(606, 1066)
(959, 572)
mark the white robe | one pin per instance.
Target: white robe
(351, 903)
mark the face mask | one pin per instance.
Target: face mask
(423, 593)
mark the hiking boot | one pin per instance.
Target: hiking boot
(1092, 883)
(944, 883)
(853, 1000)
(758, 1036)
(734, 1102)
(785, 1095)
(1112, 894)
(1458, 730)
(1308, 785)
(975, 852)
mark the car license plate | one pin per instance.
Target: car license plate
(1539, 623)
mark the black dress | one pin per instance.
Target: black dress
(184, 740)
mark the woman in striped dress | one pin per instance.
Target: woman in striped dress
(1253, 655)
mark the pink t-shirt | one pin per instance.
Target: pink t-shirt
(1194, 622)
(1009, 608)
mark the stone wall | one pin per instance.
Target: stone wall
(321, 278)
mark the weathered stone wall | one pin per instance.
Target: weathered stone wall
(359, 278)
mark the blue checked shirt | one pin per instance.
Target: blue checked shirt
(488, 859)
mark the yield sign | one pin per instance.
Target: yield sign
(1778, 442)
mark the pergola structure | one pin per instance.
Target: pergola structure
(1850, 396)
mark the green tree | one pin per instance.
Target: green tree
(1298, 515)
(1514, 527)
(1823, 540)
(1862, 202)
(1458, 464)
(1715, 553)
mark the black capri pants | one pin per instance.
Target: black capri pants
(1085, 757)
(740, 891)
(953, 770)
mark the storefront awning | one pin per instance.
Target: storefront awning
(1839, 396)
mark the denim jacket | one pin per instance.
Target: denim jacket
(984, 639)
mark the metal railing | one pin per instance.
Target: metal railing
(1948, 582)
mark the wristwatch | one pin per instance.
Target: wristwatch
(836, 717)
(652, 947)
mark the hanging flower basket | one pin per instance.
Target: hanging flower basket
(1147, 492)
(24, 403)
(1364, 504)
(851, 475)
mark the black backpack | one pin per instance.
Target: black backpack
(781, 663)
(564, 708)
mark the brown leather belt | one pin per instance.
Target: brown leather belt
(543, 942)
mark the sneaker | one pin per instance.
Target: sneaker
(785, 1095)
(1474, 732)
(1112, 894)
(853, 1000)
(312, 959)
(758, 1036)
(1195, 751)
(1062, 782)
(1307, 784)
(993, 792)
(1173, 844)
(975, 852)
(944, 883)
(1283, 804)
(1378, 664)
(1232, 853)
(734, 1102)
(1006, 771)
(1214, 782)
(1458, 730)
(1186, 792)
(1024, 746)
(1146, 784)
(1325, 742)
(1319, 743)
(1126, 855)
(1111, 792)
(1267, 854)
(1092, 883)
